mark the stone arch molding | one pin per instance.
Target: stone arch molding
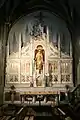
(39, 28)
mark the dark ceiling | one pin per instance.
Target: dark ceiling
(68, 10)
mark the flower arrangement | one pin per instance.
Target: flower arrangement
(67, 87)
(12, 93)
(12, 87)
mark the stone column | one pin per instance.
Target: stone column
(59, 70)
(46, 71)
(19, 56)
(1, 71)
(19, 45)
(70, 49)
(59, 44)
(4, 31)
(71, 76)
(31, 57)
(78, 73)
(59, 62)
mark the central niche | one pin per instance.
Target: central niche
(39, 58)
(39, 64)
(39, 51)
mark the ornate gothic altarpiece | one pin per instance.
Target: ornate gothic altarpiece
(38, 65)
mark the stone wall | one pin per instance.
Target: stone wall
(3, 38)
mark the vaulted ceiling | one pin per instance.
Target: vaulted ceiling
(68, 10)
(11, 10)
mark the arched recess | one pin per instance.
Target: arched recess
(50, 29)
(57, 52)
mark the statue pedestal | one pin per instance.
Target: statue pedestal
(40, 80)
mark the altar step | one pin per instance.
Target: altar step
(49, 103)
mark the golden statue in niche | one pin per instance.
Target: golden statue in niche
(39, 58)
